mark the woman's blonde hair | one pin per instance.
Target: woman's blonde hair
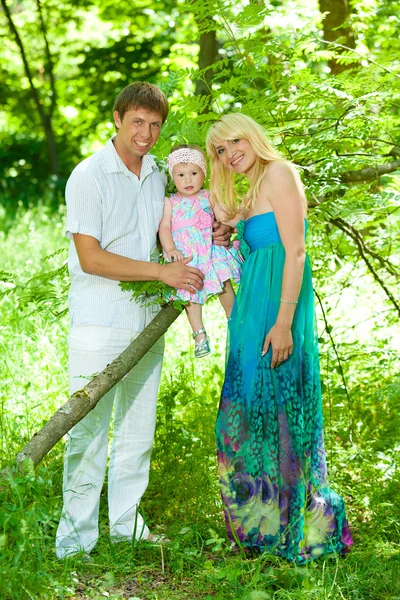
(230, 127)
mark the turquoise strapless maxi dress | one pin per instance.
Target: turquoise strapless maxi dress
(270, 440)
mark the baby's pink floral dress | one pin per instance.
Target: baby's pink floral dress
(191, 227)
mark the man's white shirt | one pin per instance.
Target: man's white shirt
(108, 202)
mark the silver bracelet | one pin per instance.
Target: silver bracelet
(289, 301)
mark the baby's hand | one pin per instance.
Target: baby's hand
(175, 255)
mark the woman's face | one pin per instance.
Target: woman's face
(238, 155)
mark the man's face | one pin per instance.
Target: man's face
(138, 131)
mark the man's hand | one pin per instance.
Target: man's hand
(221, 234)
(180, 275)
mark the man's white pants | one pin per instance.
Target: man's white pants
(134, 399)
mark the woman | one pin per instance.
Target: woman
(270, 428)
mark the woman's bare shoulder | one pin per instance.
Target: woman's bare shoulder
(281, 169)
(281, 174)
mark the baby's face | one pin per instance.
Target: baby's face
(188, 178)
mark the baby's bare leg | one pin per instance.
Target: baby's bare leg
(227, 298)
(195, 315)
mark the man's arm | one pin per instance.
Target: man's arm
(96, 261)
(221, 235)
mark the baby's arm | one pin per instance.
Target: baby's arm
(166, 236)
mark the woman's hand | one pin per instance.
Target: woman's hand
(175, 256)
(280, 338)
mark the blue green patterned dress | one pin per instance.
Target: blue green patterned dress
(269, 428)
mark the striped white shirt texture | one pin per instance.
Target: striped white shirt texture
(110, 203)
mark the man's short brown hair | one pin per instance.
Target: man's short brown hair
(141, 95)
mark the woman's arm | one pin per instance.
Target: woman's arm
(222, 216)
(283, 188)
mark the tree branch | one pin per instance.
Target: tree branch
(328, 330)
(364, 250)
(362, 56)
(383, 261)
(84, 400)
(20, 45)
(50, 63)
(45, 119)
(370, 173)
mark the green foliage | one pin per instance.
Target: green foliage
(95, 51)
(183, 498)
(45, 291)
(153, 292)
(272, 65)
(28, 520)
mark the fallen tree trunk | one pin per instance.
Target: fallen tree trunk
(84, 400)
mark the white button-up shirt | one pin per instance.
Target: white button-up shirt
(108, 202)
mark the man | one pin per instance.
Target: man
(115, 203)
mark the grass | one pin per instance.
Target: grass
(182, 499)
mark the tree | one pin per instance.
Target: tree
(337, 13)
(84, 400)
(45, 115)
(207, 55)
(340, 130)
(58, 86)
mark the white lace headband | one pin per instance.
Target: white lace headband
(187, 155)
